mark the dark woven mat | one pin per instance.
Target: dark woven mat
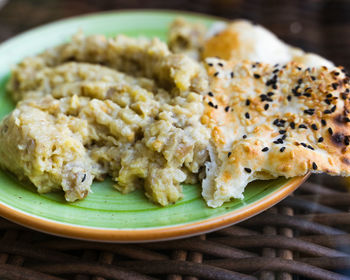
(307, 236)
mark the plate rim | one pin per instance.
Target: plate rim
(109, 12)
(149, 234)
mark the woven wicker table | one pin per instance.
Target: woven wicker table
(306, 236)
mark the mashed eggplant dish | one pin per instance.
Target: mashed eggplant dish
(154, 116)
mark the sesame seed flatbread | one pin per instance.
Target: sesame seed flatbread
(269, 121)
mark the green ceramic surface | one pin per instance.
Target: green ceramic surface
(106, 207)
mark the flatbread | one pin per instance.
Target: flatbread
(236, 40)
(269, 121)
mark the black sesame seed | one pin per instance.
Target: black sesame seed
(292, 125)
(333, 108)
(329, 95)
(335, 86)
(84, 177)
(307, 94)
(276, 65)
(275, 71)
(280, 140)
(314, 126)
(210, 64)
(279, 123)
(248, 170)
(295, 91)
(344, 95)
(299, 68)
(289, 97)
(302, 126)
(319, 140)
(282, 149)
(310, 147)
(284, 137)
(309, 111)
(303, 144)
(282, 131)
(274, 86)
(247, 102)
(216, 74)
(300, 81)
(227, 108)
(270, 93)
(314, 166)
(247, 115)
(327, 112)
(216, 106)
(265, 149)
(220, 64)
(313, 78)
(256, 76)
(232, 74)
(211, 104)
(336, 74)
(324, 123)
(229, 153)
(272, 81)
(346, 119)
(276, 142)
(330, 130)
(266, 107)
(346, 140)
(244, 136)
(328, 101)
(210, 94)
(263, 97)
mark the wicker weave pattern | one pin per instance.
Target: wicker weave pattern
(307, 236)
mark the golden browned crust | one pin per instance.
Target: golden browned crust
(270, 121)
(243, 40)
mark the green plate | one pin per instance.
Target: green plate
(107, 215)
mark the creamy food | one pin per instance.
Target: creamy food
(79, 118)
